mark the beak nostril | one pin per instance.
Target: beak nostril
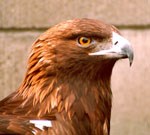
(116, 43)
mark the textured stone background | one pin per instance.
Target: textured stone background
(21, 22)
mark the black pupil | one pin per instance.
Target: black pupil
(85, 40)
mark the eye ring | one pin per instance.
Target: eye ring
(84, 41)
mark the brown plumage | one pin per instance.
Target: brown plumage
(67, 81)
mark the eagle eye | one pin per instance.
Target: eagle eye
(84, 41)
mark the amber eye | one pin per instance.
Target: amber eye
(84, 41)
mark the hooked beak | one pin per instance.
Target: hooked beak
(120, 47)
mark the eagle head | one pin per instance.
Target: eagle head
(81, 47)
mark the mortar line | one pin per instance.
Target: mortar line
(33, 29)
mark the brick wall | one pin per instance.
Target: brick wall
(21, 22)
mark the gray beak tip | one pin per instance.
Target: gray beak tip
(131, 57)
(130, 63)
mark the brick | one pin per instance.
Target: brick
(14, 50)
(131, 89)
(39, 14)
